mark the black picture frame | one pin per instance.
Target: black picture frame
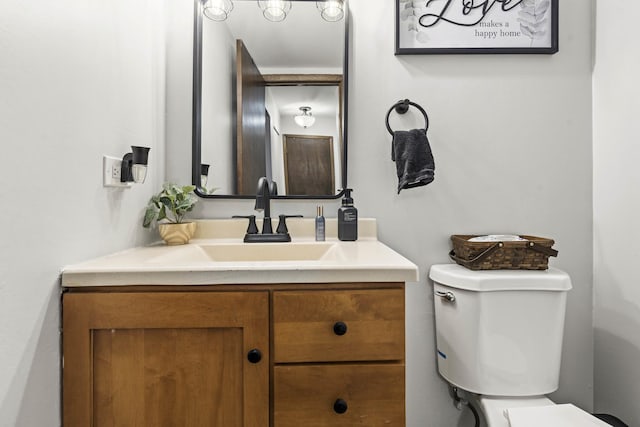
(442, 27)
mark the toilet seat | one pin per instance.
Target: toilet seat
(533, 411)
(566, 415)
(494, 408)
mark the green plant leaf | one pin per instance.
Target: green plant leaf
(167, 201)
(162, 214)
(149, 216)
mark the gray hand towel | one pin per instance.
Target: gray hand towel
(414, 162)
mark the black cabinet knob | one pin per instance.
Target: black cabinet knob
(340, 406)
(254, 356)
(340, 328)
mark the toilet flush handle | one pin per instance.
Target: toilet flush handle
(449, 296)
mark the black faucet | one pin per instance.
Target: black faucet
(265, 190)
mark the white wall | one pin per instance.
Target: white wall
(616, 210)
(78, 79)
(511, 136)
(218, 64)
(276, 155)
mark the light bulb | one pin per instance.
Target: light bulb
(275, 10)
(139, 173)
(331, 10)
(218, 10)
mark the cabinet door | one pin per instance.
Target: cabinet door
(165, 359)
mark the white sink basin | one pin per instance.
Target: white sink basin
(259, 252)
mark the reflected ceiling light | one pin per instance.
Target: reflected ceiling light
(305, 119)
(275, 10)
(217, 10)
(331, 10)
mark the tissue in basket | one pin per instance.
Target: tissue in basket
(528, 253)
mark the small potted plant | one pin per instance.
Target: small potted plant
(167, 209)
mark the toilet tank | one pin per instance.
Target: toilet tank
(499, 332)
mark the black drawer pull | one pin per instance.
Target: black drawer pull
(340, 406)
(340, 328)
(254, 356)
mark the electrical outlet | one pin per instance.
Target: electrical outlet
(111, 170)
(116, 171)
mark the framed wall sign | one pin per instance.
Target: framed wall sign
(476, 26)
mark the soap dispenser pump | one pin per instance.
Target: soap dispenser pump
(347, 219)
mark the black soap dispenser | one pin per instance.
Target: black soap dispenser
(347, 219)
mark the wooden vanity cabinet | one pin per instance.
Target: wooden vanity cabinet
(234, 356)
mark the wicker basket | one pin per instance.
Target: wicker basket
(530, 254)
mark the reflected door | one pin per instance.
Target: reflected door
(250, 133)
(308, 164)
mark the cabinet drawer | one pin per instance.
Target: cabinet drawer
(314, 395)
(338, 325)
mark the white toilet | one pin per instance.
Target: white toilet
(499, 336)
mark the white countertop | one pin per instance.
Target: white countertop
(365, 260)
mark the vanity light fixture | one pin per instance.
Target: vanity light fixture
(204, 175)
(331, 10)
(217, 10)
(305, 119)
(275, 10)
(134, 165)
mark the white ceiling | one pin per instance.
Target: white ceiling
(323, 100)
(302, 40)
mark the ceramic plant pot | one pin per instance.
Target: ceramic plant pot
(177, 234)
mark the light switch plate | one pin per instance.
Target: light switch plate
(111, 170)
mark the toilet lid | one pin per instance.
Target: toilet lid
(565, 415)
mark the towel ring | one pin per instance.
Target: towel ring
(402, 107)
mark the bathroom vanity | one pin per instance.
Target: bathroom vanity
(221, 333)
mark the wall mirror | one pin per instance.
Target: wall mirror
(270, 97)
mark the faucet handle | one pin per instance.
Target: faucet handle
(282, 224)
(252, 228)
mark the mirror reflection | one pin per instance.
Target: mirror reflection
(271, 98)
